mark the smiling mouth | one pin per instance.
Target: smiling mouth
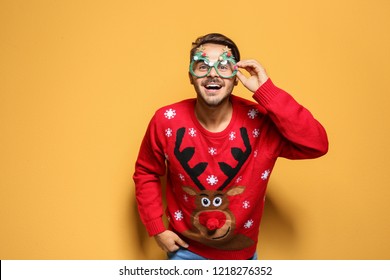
(213, 87)
(220, 237)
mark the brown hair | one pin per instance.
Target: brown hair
(215, 38)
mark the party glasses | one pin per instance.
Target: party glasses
(225, 66)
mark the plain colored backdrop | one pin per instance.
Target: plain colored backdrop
(80, 80)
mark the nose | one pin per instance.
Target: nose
(213, 72)
(212, 220)
(212, 224)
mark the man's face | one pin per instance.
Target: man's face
(212, 89)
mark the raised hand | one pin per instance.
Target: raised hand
(258, 75)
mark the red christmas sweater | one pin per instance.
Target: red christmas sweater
(216, 182)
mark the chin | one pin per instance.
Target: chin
(213, 98)
(214, 102)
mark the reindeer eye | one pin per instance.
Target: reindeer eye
(217, 201)
(205, 202)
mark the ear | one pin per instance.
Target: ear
(189, 190)
(235, 190)
(235, 80)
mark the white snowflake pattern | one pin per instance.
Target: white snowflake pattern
(265, 174)
(256, 132)
(212, 151)
(239, 179)
(232, 136)
(178, 215)
(170, 114)
(182, 178)
(192, 132)
(255, 153)
(246, 204)
(248, 224)
(168, 132)
(253, 113)
(212, 180)
(185, 197)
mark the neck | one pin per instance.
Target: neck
(214, 118)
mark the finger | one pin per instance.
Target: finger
(181, 242)
(251, 70)
(173, 248)
(169, 246)
(241, 77)
(250, 65)
(249, 62)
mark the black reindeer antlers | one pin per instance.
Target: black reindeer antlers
(239, 155)
(186, 155)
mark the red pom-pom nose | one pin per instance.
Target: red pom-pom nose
(212, 220)
(212, 224)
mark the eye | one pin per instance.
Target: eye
(223, 67)
(217, 201)
(205, 202)
(202, 67)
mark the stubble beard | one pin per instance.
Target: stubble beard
(215, 99)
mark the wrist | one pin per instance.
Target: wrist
(155, 226)
(266, 93)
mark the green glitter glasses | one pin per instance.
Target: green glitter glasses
(225, 67)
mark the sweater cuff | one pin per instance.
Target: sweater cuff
(266, 93)
(155, 227)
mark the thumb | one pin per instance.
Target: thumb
(249, 83)
(241, 77)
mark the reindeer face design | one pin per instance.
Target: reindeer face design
(214, 223)
(212, 217)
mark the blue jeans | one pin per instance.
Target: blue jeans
(184, 254)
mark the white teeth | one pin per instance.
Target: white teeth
(213, 86)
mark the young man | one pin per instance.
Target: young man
(218, 151)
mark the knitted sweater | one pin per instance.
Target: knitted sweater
(216, 182)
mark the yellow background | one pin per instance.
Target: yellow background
(79, 81)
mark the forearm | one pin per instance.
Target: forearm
(150, 206)
(304, 136)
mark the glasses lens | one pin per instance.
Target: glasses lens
(200, 69)
(226, 69)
